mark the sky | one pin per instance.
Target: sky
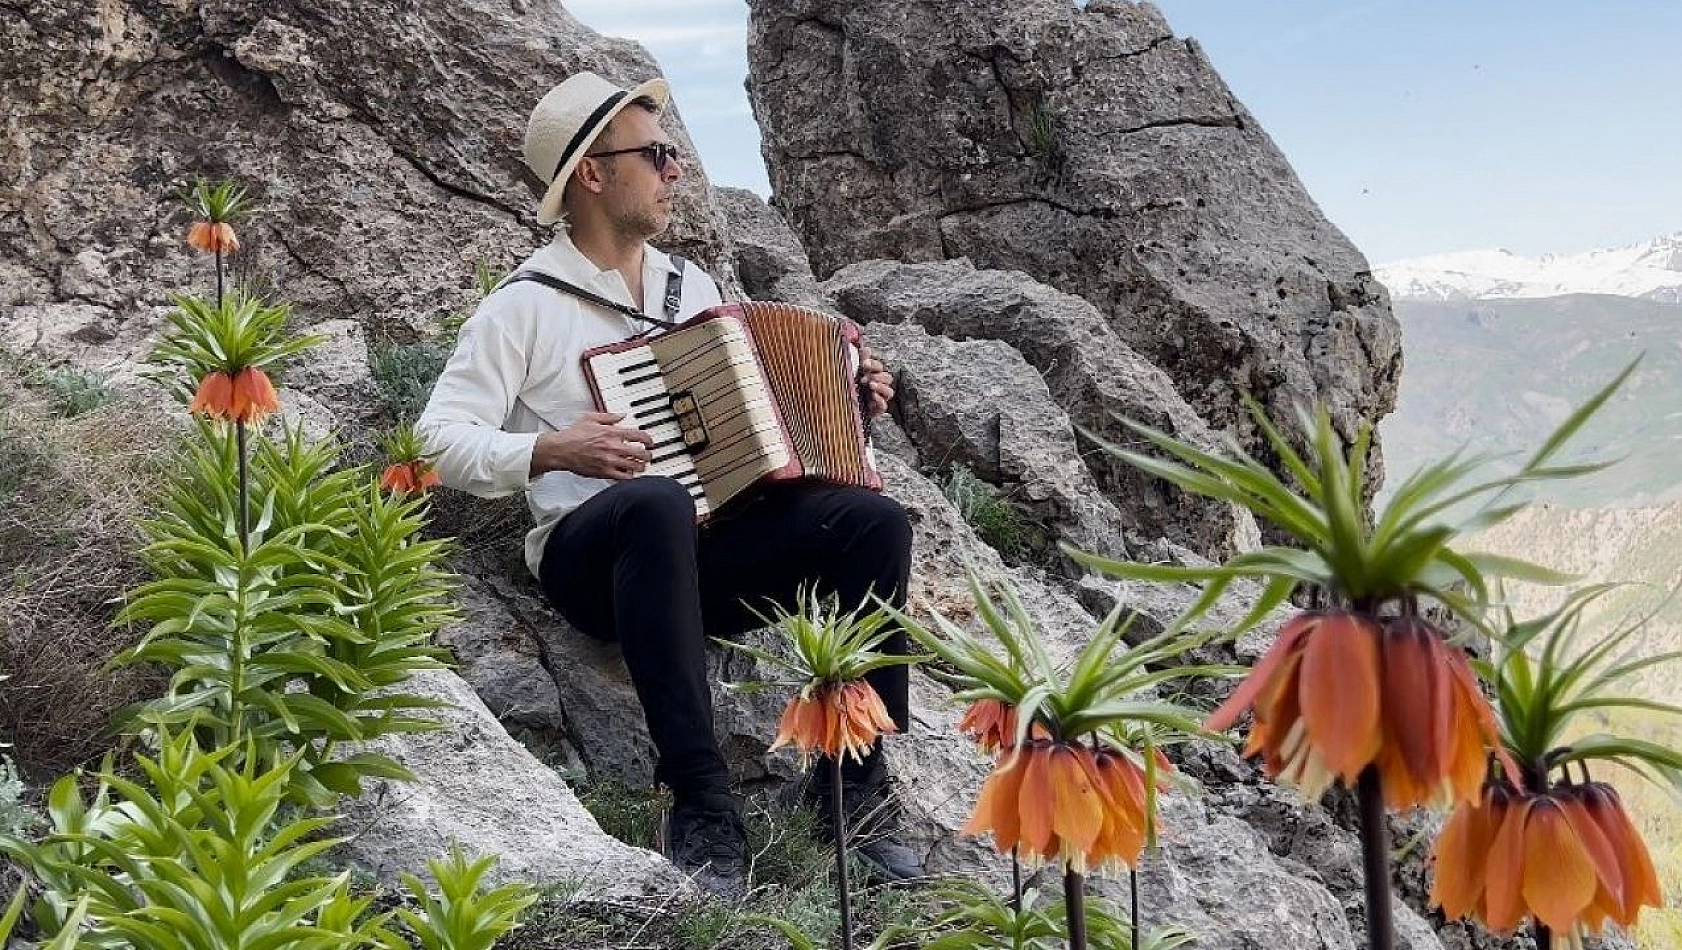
(1420, 126)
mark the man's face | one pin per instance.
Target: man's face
(637, 197)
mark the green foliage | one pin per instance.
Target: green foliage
(1103, 689)
(238, 332)
(192, 855)
(988, 513)
(485, 279)
(1042, 131)
(301, 641)
(16, 817)
(828, 645)
(404, 374)
(461, 916)
(76, 391)
(1549, 685)
(218, 201)
(978, 919)
(633, 815)
(1405, 553)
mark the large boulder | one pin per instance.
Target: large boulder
(979, 404)
(384, 150)
(475, 786)
(1092, 375)
(1087, 146)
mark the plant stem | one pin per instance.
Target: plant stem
(218, 278)
(839, 814)
(1015, 882)
(1133, 898)
(244, 524)
(1074, 906)
(1375, 855)
(1544, 937)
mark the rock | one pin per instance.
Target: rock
(478, 787)
(499, 656)
(1092, 375)
(337, 367)
(769, 259)
(979, 404)
(384, 153)
(1088, 147)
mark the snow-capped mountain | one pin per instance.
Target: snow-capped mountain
(1651, 270)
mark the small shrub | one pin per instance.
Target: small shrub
(988, 512)
(16, 817)
(404, 374)
(76, 391)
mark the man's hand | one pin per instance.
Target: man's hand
(593, 447)
(877, 377)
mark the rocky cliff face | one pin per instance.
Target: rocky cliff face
(1134, 245)
(1090, 148)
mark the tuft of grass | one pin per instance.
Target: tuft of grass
(404, 374)
(71, 491)
(789, 877)
(633, 815)
(988, 512)
(76, 391)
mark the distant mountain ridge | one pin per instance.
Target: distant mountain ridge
(1651, 270)
(1496, 376)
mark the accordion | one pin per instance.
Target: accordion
(741, 393)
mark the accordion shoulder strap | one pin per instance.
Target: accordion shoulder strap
(567, 287)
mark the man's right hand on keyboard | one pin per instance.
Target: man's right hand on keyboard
(594, 447)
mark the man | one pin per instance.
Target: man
(619, 555)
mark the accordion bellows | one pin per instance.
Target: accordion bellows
(742, 393)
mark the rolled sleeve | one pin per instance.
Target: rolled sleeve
(462, 423)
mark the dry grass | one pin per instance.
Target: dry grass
(71, 490)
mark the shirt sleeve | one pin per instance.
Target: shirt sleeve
(700, 291)
(462, 423)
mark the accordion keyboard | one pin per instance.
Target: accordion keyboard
(713, 363)
(629, 382)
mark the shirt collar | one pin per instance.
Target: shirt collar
(570, 263)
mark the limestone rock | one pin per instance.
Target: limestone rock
(1089, 147)
(499, 656)
(979, 404)
(1092, 375)
(384, 151)
(477, 786)
(769, 259)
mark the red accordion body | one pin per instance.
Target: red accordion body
(742, 393)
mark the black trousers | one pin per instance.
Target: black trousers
(631, 565)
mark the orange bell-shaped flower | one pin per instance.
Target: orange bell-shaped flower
(409, 478)
(1053, 801)
(244, 396)
(1339, 692)
(991, 723)
(213, 237)
(834, 719)
(1569, 858)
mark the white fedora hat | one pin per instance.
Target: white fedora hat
(567, 119)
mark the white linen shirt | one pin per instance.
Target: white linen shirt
(516, 373)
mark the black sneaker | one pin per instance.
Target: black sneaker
(706, 839)
(873, 821)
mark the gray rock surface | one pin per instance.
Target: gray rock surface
(979, 404)
(769, 259)
(384, 151)
(1090, 372)
(1085, 145)
(478, 787)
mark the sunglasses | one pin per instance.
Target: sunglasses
(658, 153)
